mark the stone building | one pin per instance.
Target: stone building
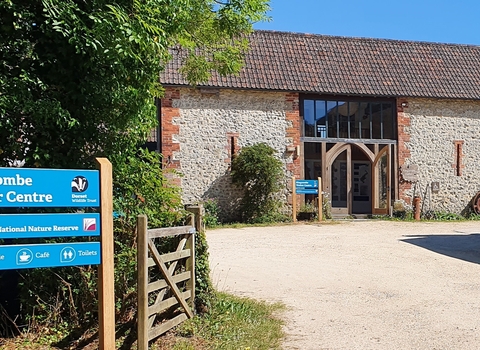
(380, 121)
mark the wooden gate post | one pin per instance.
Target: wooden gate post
(142, 269)
(198, 212)
(190, 266)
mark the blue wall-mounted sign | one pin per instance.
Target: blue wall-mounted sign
(49, 255)
(49, 225)
(306, 186)
(23, 187)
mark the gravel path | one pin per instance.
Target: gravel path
(362, 284)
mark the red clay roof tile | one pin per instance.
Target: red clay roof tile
(350, 66)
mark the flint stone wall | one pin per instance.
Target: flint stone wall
(435, 126)
(206, 123)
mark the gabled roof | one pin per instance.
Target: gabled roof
(350, 66)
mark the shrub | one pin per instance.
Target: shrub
(258, 172)
(326, 206)
(308, 207)
(403, 214)
(211, 213)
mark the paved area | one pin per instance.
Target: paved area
(362, 284)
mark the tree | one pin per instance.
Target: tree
(78, 80)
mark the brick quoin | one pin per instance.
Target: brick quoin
(169, 130)
(292, 115)
(404, 122)
(232, 136)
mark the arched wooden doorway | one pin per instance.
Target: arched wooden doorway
(357, 178)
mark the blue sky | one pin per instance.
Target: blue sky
(452, 21)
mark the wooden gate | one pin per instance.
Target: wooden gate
(169, 300)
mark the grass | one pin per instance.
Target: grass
(243, 225)
(288, 223)
(233, 323)
(428, 216)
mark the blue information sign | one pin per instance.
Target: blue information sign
(49, 225)
(306, 183)
(23, 187)
(49, 255)
(306, 186)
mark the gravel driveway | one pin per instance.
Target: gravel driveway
(362, 284)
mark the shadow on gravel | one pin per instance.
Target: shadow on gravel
(464, 247)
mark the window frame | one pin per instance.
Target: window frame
(347, 100)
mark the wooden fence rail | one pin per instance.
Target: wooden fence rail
(169, 300)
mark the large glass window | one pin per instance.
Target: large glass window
(348, 119)
(309, 118)
(313, 160)
(332, 118)
(321, 119)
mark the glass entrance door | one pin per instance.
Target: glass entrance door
(339, 183)
(361, 187)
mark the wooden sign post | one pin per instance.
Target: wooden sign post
(307, 187)
(106, 282)
(320, 200)
(294, 199)
(142, 276)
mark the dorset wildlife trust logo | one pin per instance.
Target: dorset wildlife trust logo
(79, 184)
